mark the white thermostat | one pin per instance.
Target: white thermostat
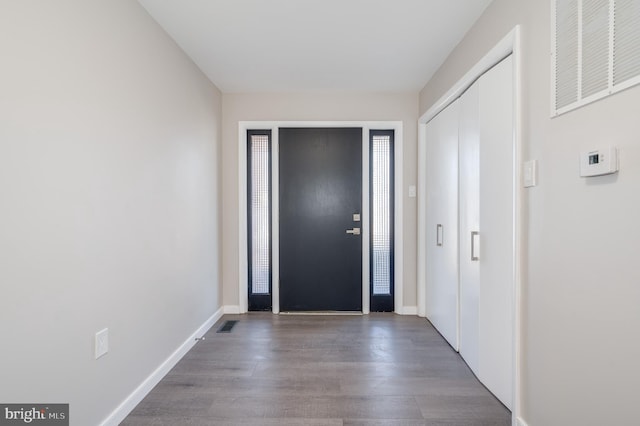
(599, 162)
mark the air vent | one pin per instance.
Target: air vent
(226, 327)
(595, 47)
(596, 50)
(626, 47)
(566, 47)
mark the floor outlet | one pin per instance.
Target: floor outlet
(102, 342)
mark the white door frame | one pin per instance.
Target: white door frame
(243, 264)
(510, 44)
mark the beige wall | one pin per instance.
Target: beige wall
(314, 107)
(109, 201)
(582, 283)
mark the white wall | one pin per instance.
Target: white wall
(582, 283)
(108, 201)
(315, 107)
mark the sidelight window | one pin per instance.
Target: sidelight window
(259, 218)
(381, 220)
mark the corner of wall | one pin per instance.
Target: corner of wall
(130, 403)
(408, 310)
(231, 309)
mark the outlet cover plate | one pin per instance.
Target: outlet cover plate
(102, 342)
(530, 173)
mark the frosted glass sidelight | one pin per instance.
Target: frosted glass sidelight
(260, 217)
(381, 235)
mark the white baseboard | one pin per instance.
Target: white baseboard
(405, 310)
(127, 406)
(408, 310)
(520, 422)
(231, 309)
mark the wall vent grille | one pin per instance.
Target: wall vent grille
(595, 50)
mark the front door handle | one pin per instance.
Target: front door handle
(354, 231)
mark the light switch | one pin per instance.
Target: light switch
(412, 191)
(530, 173)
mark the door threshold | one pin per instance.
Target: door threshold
(320, 313)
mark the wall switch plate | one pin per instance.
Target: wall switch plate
(413, 191)
(530, 173)
(102, 342)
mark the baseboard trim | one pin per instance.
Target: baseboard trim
(408, 310)
(235, 310)
(322, 313)
(231, 309)
(127, 406)
(520, 422)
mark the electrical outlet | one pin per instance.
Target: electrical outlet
(102, 342)
(530, 177)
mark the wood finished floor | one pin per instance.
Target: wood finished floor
(379, 369)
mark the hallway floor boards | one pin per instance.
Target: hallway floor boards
(378, 369)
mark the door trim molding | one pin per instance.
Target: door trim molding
(510, 44)
(366, 126)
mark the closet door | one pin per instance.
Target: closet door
(442, 223)
(496, 125)
(469, 160)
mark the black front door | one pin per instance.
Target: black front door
(320, 175)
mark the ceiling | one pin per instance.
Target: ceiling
(317, 45)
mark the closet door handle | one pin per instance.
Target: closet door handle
(475, 236)
(439, 235)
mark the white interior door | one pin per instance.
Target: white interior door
(469, 160)
(442, 223)
(496, 125)
(470, 227)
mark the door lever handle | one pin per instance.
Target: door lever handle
(354, 231)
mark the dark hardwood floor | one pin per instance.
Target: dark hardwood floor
(378, 369)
